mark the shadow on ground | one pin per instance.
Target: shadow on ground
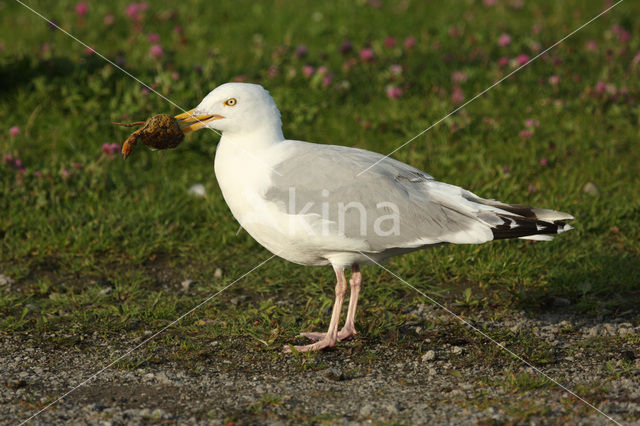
(605, 286)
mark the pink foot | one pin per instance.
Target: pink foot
(344, 334)
(322, 344)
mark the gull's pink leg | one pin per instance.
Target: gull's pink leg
(349, 329)
(329, 339)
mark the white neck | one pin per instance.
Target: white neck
(255, 139)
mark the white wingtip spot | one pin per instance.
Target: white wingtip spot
(565, 228)
(537, 237)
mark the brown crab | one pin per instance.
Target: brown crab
(162, 131)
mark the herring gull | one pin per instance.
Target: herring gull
(312, 204)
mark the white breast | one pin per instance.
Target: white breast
(244, 177)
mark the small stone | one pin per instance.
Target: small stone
(591, 189)
(457, 393)
(430, 355)
(5, 280)
(391, 409)
(158, 414)
(161, 377)
(610, 328)
(335, 373)
(186, 284)
(235, 301)
(106, 290)
(366, 410)
(623, 332)
(145, 412)
(457, 350)
(217, 273)
(198, 190)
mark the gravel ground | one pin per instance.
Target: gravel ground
(438, 378)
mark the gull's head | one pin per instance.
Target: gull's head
(234, 108)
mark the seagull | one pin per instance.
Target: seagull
(315, 204)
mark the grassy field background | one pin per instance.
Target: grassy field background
(98, 245)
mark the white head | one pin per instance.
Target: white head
(235, 109)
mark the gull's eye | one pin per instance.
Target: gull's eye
(230, 102)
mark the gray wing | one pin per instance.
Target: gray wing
(390, 206)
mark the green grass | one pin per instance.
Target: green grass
(77, 221)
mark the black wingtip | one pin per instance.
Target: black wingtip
(517, 227)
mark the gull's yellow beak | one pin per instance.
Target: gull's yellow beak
(189, 122)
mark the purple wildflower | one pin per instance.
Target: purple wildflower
(133, 10)
(522, 59)
(457, 97)
(459, 77)
(395, 69)
(409, 42)
(531, 123)
(367, 55)
(346, 47)
(301, 51)
(394, 92)
(82, 9)
(525, 134)
(153, 38)
(504, 40)
(307, 70)
(156, 51)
